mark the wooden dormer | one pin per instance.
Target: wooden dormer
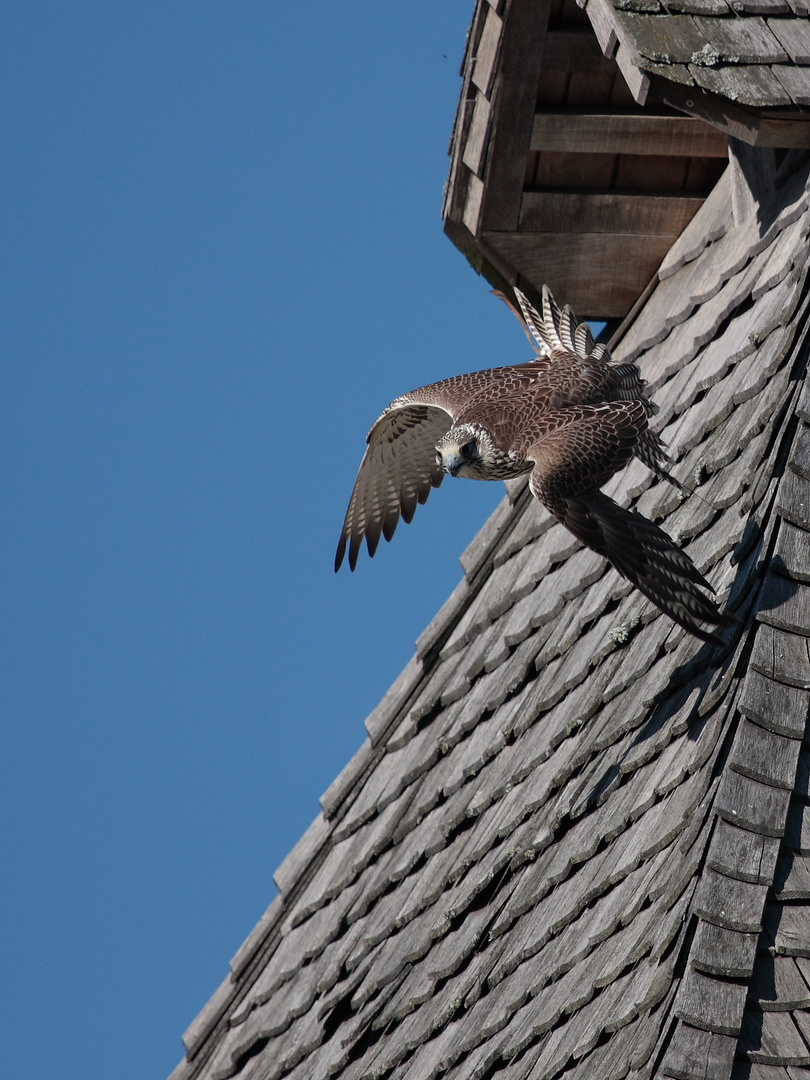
(586, 183)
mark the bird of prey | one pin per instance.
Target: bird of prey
(570, 418)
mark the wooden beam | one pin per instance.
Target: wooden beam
(599, 274)
(598, 133)
(513, 94)
(632, 215)
(731, 119)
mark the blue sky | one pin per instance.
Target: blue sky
(221, 256)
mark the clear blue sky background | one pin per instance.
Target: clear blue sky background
(222, 256)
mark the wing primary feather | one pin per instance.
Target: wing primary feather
(341, 551)
(397, 472)
(647, 557)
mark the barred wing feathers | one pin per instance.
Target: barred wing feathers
(572, 462)
(397, 473)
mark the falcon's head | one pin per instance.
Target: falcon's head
(469, 450)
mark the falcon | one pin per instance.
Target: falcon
(570, 418)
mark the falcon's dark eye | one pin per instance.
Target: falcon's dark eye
(467, 450)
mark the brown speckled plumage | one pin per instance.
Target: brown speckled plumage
(569, 417)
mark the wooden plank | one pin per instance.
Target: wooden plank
(790, 554)
(667, 41)
(671, 72)
(781, 656)
(595, 133)
(803, 964)
(797, 828)
(604, 26)
(576, 50)
(742, 41)
(297, 861)
(749, 84)
(552, 89)
(711, 1004)
(752, 805)
(476, 144)
(799, 460)
(793, 878)
(693, 1054)
(698, 7)
(633, 215)
(379, 721)
(588, 92)
(739, 853)
(777, 984)
(791, 937)
(557, 260)
(732, 119)
(472, 204)
(762, 7)
(796, 82)
(256, 938)
(638, 82)
(793, 500)
(765, 756)
(720, 951)
(656, 173)
(776, 707)
(711, 222)
(568, 170)
(487, 52)
(778, 1041)
(488, 536)
(785, 604)
(794, 37)
(204, 1023)
(513, 99)
(621, 96)
(728, 902)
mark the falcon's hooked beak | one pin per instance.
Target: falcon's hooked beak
(451, 463)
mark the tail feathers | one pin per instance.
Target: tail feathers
(556, 329)
(542, 329)
(584, 344)
(647, 557)
(536, 343)
(651, 450)
(566, 328)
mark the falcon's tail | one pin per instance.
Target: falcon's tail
(557, 329)
(645, 555)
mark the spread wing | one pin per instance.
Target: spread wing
(572, 462)
(397, 472)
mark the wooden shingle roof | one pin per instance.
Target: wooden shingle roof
(576, 841)
(587, 137)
